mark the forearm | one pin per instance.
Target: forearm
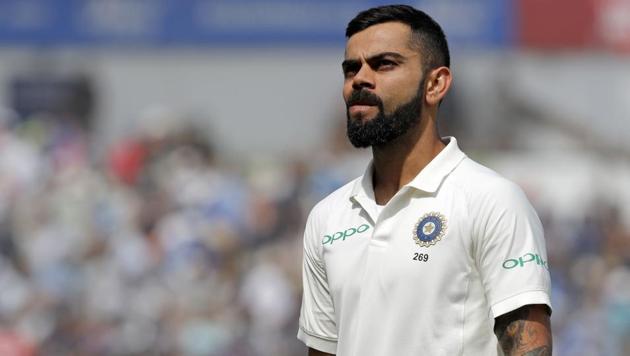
(525, 332)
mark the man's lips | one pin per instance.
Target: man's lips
(360, 108)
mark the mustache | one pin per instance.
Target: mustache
(363, 97)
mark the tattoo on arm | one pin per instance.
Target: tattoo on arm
(539, 351)
(525, 331)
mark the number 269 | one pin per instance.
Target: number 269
(422, 257)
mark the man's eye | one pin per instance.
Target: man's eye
(385, 64)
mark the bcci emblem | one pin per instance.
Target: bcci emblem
(430, 229)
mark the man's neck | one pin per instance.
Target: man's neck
(400, 161)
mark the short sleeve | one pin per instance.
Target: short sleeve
(511, 253)
(317, 327)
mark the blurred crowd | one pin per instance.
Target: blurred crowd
(161, 247)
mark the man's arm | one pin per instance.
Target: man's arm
(525, 331)
(313, 352)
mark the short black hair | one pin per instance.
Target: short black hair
(426, 32)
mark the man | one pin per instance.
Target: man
(428, 253)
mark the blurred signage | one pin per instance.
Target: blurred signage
(613, 24)
(228, 22)
(556, 24)
(574, 24)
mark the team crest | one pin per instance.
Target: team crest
(430, 229)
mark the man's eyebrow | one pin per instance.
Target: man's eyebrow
(350, 62)
(382, 55)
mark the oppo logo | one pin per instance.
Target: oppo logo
(525, 259)
(342, 235)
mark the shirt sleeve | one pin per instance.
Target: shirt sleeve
(317, 327)
(511, 253)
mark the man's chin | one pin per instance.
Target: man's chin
(362, 117)
(358, 143)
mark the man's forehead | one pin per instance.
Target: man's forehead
(385, 37)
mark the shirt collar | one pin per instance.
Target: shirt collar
(430, 177)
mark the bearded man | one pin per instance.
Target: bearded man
(429, 252)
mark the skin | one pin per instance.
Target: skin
(381, 59)
(313, 352)
(525, 331)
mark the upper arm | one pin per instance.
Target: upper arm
(525, 331)
(313, 352)
(509, 248)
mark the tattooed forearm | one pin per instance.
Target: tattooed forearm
(524, 332)
(540, 351)
(509, 327)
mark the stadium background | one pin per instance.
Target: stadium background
(157, 160)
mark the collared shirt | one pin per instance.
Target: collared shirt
(455, 248)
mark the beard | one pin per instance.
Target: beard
(383, 128)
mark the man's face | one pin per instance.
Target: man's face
(383, 86)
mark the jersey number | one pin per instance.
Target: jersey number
(422, 257)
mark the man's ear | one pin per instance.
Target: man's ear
(437, 85)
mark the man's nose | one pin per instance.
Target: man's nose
(364, 78)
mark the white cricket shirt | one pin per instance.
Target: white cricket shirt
(453, 249)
